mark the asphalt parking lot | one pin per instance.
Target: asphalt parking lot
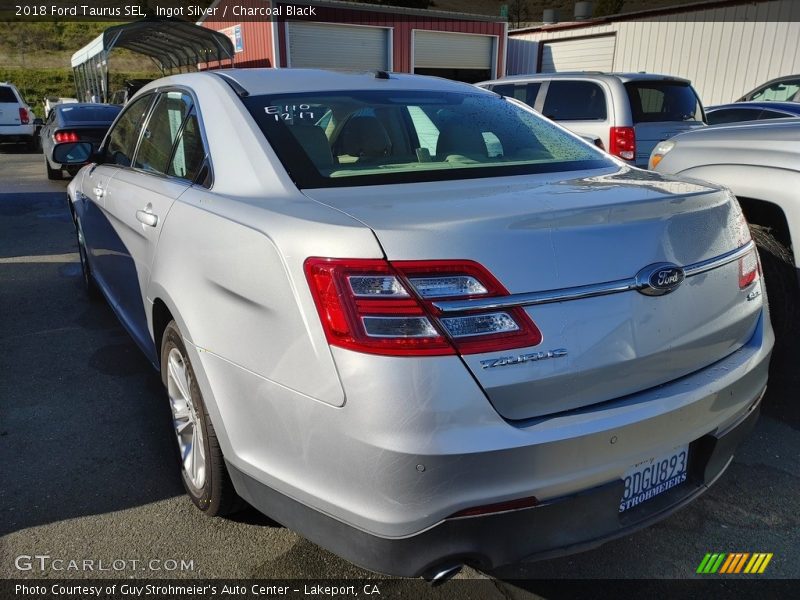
(88, 470)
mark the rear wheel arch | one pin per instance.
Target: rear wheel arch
(161, 316)
(768, 215)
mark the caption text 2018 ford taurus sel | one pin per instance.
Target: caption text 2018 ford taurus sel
(417, 322)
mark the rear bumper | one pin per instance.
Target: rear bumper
(556, 527)
(16, 133)
(378, 479)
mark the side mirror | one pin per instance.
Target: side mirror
(72, 153)
(38, 121)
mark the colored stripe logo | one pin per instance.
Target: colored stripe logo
(734, 562)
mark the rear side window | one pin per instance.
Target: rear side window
(771, 114)
(162, 131)
(122, 141)
(7, 95)
(187, 159)
(732, 115)
(525, 92)
(653, 101)
(575, 101)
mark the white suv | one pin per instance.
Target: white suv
(629, 112)
(16, 117)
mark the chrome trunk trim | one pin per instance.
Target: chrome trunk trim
(584, 291)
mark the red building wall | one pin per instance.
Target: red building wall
(257, 35)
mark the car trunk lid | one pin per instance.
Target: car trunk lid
(542, 233)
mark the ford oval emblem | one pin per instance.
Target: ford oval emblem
(659, 279)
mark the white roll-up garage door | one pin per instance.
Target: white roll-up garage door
(587, 54)
(321, 45)
(438, 50)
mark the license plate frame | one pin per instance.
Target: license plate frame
(653, 476)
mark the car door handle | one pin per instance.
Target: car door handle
(147, 217)
(99, 192)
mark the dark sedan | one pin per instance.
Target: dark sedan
(74, 123)
(751, 111)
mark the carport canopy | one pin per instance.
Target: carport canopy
(172, 44)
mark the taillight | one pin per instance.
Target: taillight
(386, 308)
(66, 136)
(24, 115)
(749, 264)
(622, 142)
(749, 269)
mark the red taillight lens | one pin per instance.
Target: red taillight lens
(66, 136)
(749, 265)
(364, 307)
(749, 269)
(622, 142)
(386, 308)
(24, 116)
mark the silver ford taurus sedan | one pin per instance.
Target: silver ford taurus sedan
(415, 321)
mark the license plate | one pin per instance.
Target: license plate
(654, 476)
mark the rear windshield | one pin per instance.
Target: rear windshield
(653, 101)
(84, 114)
(7, 95)
(365, 138)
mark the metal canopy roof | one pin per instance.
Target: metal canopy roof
(171, 43)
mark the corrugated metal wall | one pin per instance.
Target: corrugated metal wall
(725, 51)
(402, 26)
(594, 53)
(522, 55)
(435, 49)
(357, 47)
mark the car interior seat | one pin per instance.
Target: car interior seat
(364, 139)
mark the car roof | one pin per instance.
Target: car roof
(593, 75)
(282, 81)
(793, 107)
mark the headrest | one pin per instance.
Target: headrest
(365, 137)
(457, 138)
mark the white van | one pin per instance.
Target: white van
(629, 112)
(16, 117)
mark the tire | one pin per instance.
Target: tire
(780, 279)
(212, 490)
(53, 174)
(92, 289)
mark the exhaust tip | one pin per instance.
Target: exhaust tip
(441, 574)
